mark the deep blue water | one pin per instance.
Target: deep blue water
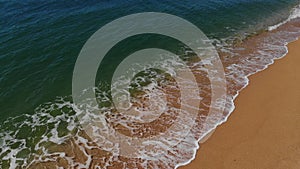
(40, 40)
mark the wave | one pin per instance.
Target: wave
(253, 55)
(295, 13)
(53, 135)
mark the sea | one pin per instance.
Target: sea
(41, 40)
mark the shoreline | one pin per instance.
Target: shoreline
(228, 136)
(91, 153)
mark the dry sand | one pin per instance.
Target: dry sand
(263, 132)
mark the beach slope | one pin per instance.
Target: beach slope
(263, 132)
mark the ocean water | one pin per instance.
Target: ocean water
(40, 42)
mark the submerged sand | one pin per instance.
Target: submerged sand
(263, 132)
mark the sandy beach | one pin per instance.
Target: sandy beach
(263, 132)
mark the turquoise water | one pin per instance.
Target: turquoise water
(40, 42)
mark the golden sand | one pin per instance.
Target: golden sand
(263, 132)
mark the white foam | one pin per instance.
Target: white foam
(295, 13)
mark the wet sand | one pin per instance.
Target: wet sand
(263, 132)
